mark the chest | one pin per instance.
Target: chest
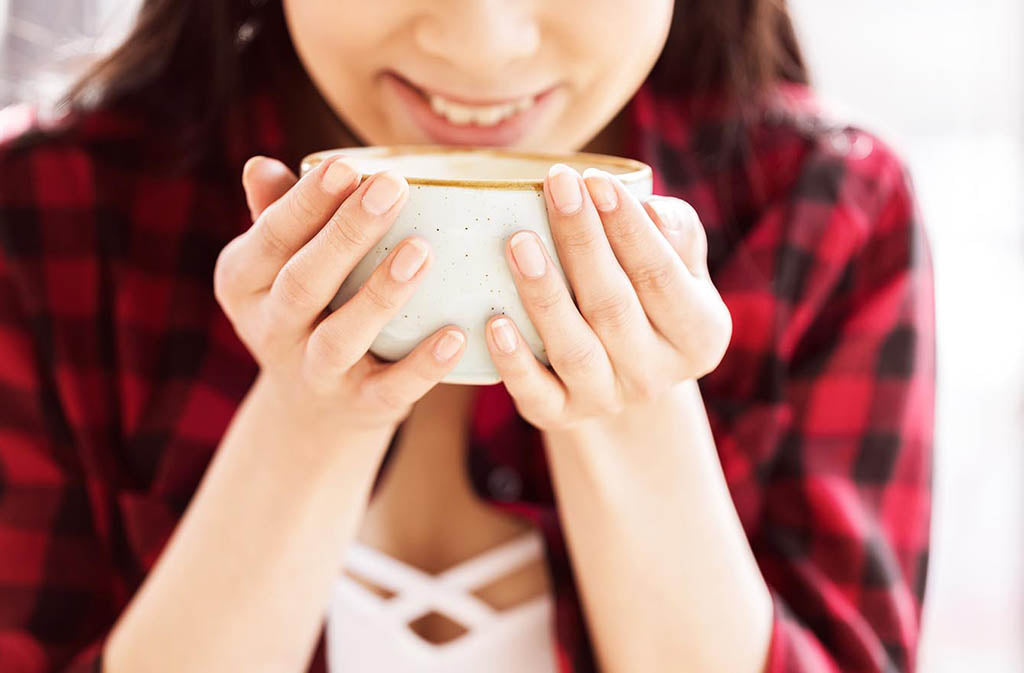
(427, 523)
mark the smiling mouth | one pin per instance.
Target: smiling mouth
(461, 112)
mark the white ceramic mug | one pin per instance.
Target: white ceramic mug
(466, 202)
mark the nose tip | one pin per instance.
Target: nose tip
(480, 38)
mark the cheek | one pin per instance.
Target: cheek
(624, 37)
(330, 38)
(336, 50)
(612, 49)
(611, 45)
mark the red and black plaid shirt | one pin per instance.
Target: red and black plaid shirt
(119, 373)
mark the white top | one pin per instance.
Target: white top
(367, 632)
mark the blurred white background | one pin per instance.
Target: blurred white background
(942, 81)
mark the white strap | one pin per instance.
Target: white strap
(417, 592)
(495, 563)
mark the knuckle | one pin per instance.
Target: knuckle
(577, 357)
(613, 311)
(381, 392)
(266, 338)
(547, 300)
(290, 289)
(646, 387)
(534, 413)
(378, 297)
(655, 277)
(426, 371)
(300, 204)
(530, 402)
(631, 233)
(516, 378)
(579, 240)
(344, 234)
(325, 350)
(270, 241)
(316, 379)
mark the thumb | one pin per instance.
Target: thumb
(265, 180)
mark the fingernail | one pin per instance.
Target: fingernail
(666, 218)
(338, 177)
(602, 191)
(448, 345)
(384, 191)
(565, 189)
(527, 254)
(504, 335)
(408, 260)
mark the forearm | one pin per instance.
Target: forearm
(666, 575)
(244, 580)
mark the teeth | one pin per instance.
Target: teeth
(481, 115)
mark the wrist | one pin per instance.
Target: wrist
(634, 418)
(309, 433)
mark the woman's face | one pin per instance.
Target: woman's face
(537, 74)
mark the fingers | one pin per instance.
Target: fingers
(662, 248)
(265, 180)
(657, 274)
(289, 222)
(310, 279)
(681, 227)
(573, 349)
(344, 336)
(399, 385)
(603, 291)
(538, 393)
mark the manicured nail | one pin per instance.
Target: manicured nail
(338, 177)
(565, 189)
(448, 345)
(602, 191)
(504, 335)
(527, 254)
(408, 260)
(384, 191)
(667, 219)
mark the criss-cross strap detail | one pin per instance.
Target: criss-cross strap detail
(417, 592)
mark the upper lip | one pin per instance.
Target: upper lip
(469, 100)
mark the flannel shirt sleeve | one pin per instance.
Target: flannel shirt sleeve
(58, 590)
(843, 536)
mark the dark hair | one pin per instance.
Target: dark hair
(735, 48)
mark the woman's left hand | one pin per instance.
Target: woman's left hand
(648, 316)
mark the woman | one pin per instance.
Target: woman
(728, 462)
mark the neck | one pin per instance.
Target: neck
(430, 455)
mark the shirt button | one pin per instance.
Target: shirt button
(504, 483)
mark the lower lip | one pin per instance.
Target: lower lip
(506, 132)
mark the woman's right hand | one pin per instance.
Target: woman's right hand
(275, 281)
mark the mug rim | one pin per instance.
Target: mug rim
(637, 170)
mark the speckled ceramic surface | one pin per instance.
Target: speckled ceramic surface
(466, 202)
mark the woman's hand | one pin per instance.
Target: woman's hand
(648, 316)
(275, 280)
